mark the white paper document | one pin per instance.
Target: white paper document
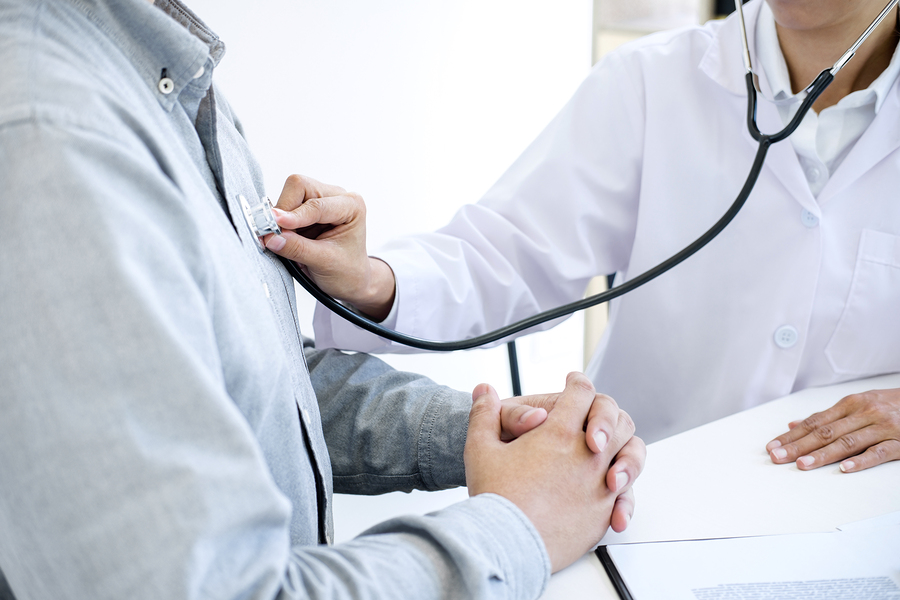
(861, 563)
(717, 481)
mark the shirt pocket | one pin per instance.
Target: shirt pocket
(866, 340)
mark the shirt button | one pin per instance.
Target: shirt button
(786, 336)
(306, 417)
(166, 85)
(808, 219)
(200, 73)
(813, 174)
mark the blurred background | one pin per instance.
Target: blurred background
(419, 106)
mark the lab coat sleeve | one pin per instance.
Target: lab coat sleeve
(126, 469)
(563, 213)
(387, 430)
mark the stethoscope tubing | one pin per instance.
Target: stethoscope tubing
(561, 311)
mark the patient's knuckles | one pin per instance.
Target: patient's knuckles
(626, 422)
(581, 384)
(357, 201)
(603, 400)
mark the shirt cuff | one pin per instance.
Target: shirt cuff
(495, 547)
(442, 440)
(512, 543)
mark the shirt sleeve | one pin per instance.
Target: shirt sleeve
(127, 470)
(565, 212)
(388, 430)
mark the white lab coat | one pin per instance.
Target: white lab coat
(798, 291)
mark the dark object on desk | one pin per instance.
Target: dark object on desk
(613, 573)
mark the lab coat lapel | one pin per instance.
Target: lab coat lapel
(724, 64)
(782, 160)
(878, 141)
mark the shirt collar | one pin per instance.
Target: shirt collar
(165, 36)
(771, 61)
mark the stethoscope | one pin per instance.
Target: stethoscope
(262, 221)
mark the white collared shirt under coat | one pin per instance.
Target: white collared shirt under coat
(798, 291)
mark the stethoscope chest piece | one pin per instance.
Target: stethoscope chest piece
(260, 218)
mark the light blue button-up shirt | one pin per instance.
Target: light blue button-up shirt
(152, 374)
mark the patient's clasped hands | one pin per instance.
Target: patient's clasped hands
(570, 469)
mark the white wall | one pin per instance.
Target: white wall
(418, 105)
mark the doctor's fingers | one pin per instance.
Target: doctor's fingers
(875, 455)
(874, 438)
(606, 420)
(345, 209)
(878, 407)
(810, 452)
(298, 189)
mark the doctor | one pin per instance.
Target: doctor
(801, 290)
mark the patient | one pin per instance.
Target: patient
(167, 431)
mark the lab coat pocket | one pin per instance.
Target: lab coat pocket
(867, 338)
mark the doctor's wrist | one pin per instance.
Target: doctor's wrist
(377, 297)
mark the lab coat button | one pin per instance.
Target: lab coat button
(808, 219)
(786, 336)
(306, 417)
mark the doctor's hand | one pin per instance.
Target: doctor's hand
(324, 230)
(549, 472)
(862, 430)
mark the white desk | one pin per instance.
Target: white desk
(717, 481)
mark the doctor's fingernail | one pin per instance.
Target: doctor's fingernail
(772, 445)
(779, 453)
(847, 465)
(275, 243)
(621, 480)
(806, 461)
(601, 439)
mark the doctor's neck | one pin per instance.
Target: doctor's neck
(814, 34)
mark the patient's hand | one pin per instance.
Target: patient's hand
(561, 485)
(522, 414)
(862, 430)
